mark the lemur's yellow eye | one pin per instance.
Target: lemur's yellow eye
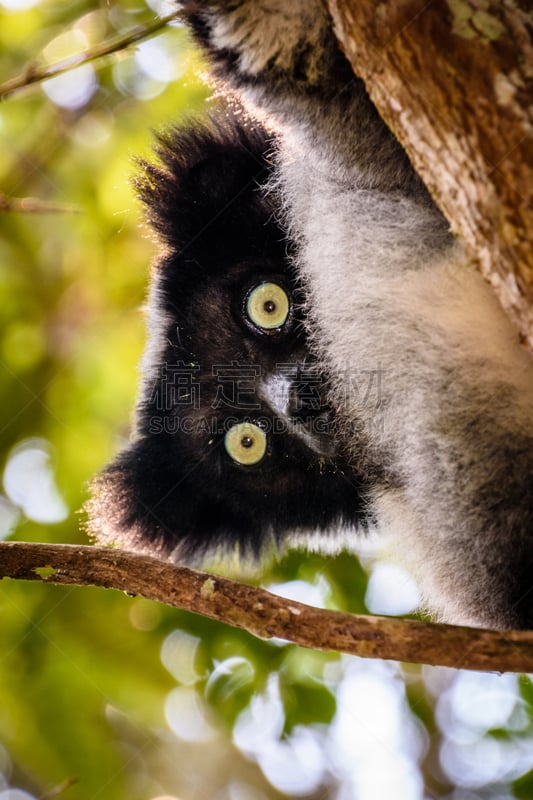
(268, 306)
(246, 443)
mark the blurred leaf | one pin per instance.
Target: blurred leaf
(307, 703)
(523, 788)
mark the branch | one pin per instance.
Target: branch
(32, 205)
(58, 790)
(452, 81)
(36, 74)
(266, 615)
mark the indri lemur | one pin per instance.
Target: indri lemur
(445, 463)
(449, 453)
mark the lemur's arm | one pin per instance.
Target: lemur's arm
(283, 57)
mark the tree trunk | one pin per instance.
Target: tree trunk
(454, 81)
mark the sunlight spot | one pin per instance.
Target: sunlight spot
(130, 79)
(236, 790)
(166, 797)
(163, 8)
(186, 716)
(29, 482)
(9, 517)
(295, 765)
(75, 88)
(159, 59)
(476, 702)
(485, 761)
(178, 655)
(72, 89)
(375, 742)
(301, 591)
(471, 706)
(18, 5)
(261, 721)
(391, 590)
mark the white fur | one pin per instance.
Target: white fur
(382, 299)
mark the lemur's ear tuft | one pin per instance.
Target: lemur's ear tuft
(203, 167)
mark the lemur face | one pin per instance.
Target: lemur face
(235, 444)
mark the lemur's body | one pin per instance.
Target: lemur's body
(450, 449)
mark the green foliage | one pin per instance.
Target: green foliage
(73, 284)
(82, 682)
(523, 788)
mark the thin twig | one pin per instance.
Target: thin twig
(33, 73)
(266, 615)
(32, 205)
(58, 790)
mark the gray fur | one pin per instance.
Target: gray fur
(450, 440)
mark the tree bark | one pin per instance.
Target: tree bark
(266, 615)
(454, 81)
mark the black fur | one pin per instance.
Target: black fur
(175, 490)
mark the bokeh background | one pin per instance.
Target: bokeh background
(108, 696)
